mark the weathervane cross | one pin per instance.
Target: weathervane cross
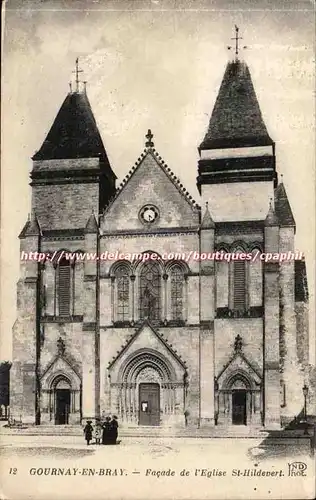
(236, 38)
(77, 71)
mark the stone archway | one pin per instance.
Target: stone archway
(147, 391)
(61, 394)
(238, 400)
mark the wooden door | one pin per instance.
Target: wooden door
(239, 401)
(62, 406)
(149, 404)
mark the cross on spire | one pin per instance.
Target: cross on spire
(149, 143)
(236, 38)
(77, 71)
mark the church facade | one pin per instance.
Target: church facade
(164, 339)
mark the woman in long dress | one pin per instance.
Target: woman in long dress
(114, 429)
(106, 434)
(88, 431)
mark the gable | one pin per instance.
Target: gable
(238, 364)
(60, 366)
(146, 339)
(151, 183)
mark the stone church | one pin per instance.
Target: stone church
(160, 342)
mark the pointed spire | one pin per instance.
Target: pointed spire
(74, 133)
(207, 221)
(31, 227)
(283, 207)
(92, 225)
(271, 218)
(236, 120)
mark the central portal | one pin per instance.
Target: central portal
(239, 415)
(149, 404)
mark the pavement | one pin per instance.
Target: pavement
(50, 467)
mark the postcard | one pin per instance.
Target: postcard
(158, 250)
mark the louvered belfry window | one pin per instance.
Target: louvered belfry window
(240, 285)
(64, 280)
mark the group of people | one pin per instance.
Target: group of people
(103, 432)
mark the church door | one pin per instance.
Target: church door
(239, 400)
(62, 406)
(149, 404)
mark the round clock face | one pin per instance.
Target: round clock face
(148, 214)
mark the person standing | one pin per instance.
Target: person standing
(88, 431)
(106, 435)
(98, 432)
(114, 429)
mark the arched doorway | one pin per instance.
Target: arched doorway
(62, 399)
(239, 387)
(146, 390)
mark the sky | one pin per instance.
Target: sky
(153, 64)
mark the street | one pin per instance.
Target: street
(50, 467)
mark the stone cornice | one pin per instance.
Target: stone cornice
(157, 232)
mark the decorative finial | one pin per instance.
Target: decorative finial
(149, 143)
(29, 217)
(77, 71)
(282, 178)
(85, 86)
(271, 203)
(70, 87)
(206, 205)
(238, 343)
(236, 38)
(60, 346)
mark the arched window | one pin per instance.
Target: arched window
(239, 277)
(64, 287)
(149, 291)
(122, 288)
(177, 288)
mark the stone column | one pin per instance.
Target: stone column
(271, 325)
(207, 314)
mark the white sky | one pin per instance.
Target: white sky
(151, 65)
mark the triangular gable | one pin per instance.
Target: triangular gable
(60, 365)
(147, 336)
(239, 362)
(150, 181)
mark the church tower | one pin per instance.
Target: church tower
(71, 180)
(255, 351)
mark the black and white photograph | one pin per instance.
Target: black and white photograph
(158, 250)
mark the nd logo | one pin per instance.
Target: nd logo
(297, 469)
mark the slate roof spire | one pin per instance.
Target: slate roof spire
(236, 120)
(74, 132)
